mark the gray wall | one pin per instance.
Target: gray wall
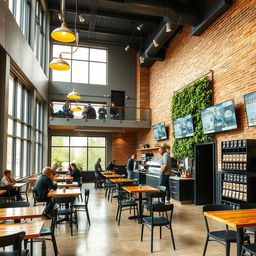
(121, 77)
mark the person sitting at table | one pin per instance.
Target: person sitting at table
(111, 165)
(54, 168)
(8, 180)
(75, 173)
(43, 185)
(98, 170)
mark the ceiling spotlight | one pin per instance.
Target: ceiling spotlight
(81, 18)
(155, 43)
(142, 59)
(127, 47)
(140, 27)
(168, 27)
(59, 16)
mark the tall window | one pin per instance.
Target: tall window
(38, 137)
(40, 34)
(21, 12)
(19, 129)
(81, 150)
(88, 65)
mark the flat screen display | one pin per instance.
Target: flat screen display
(218, 118)
(183, 127)
(250, 106)
(159, 131)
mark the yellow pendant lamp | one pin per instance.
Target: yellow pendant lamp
(59, 64)
(74, 95)
(63, 34)
(76, 109)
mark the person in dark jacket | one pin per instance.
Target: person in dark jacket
(43, 185)
(111, 165)
(98, 170)
(66, 109)
(90, 112)
(75, 173)
(130, 166)
(102, 112)
(114, 111)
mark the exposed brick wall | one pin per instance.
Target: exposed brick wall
(228, 48)
(123, 146)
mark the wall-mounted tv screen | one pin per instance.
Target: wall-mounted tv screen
(218, 118)
(250, 106)
(183, 127)
(159, 131)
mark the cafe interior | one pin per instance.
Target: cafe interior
(128, 127)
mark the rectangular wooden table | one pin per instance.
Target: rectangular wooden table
(20, 213)
(108, 172)
(32, 229)
(140, 190)
(238, 219)
(19, 185)
(121, 180)
(67, 185)
(2, 192)
(64, 192)
(58, 178)
(110, 176)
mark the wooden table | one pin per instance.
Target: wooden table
(20, 213)
(238, 219)
(32, 178)
(58, 178)
(140, 190)
(62, 192)
(108, 172)
(112, 176)
(32, 229)
(67, 185)
(121, 180)
(2, 192)
(19, 185)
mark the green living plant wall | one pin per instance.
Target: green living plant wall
(191, 100)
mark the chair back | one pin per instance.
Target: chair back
(24, 189)
(15, 240)
(248, 206)
(162, 208)
(121, 195)
(14, 204)
(86, 196)
(54, 214)
(65, 200)
(214, 207)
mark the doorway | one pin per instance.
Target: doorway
(118, 97)
(205, 168)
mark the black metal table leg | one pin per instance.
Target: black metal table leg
(239, 240)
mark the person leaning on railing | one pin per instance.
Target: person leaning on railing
(102, 112)
(66, 109)
(114, 111)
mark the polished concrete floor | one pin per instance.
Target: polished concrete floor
(105, 238)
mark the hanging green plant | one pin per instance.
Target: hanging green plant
(191, 100)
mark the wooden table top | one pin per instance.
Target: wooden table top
(32, 229)
(234, 218)
(108, 172)
(19, 184)
(63, 178)
(32, 178)
(20, 213)
(112, 176)
(121, 180)
(65, 185)
(67, 192)
(2, 192)
(140, 189)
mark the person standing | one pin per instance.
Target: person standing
(98, 170)
(130, 166)
(91, 113)
(43, 185)
(114, 111)
(111, 165)
(165, 171)
(102, 112)
(75, 173)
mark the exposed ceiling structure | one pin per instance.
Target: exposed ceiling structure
(114, 22)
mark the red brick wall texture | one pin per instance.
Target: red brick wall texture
(228, 47)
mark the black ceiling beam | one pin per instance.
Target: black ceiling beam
(210, 14)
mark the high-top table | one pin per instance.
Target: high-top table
(140, 190)
(238, 219)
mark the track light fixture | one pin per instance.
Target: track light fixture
(142, 59)
(168, 27)
(140, 27)
(155, 43)
(59, 16)
(127, 47)
(81, 18)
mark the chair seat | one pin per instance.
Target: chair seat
(79, 204)
(64, 211)
(252, 229)
(128, 203)
(251, 248)
(158, 221)
(226, 235)
(14, 253)
(46, 231)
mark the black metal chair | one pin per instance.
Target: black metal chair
(250, 248)
(225, 237)
(7, 196)
(36, 203)
(24, 189)
(15, 240)
(50, 230)
(67, 210)
(250, 229)
(14, 204)
(159, 221)
(80, 206)
(124, 204)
